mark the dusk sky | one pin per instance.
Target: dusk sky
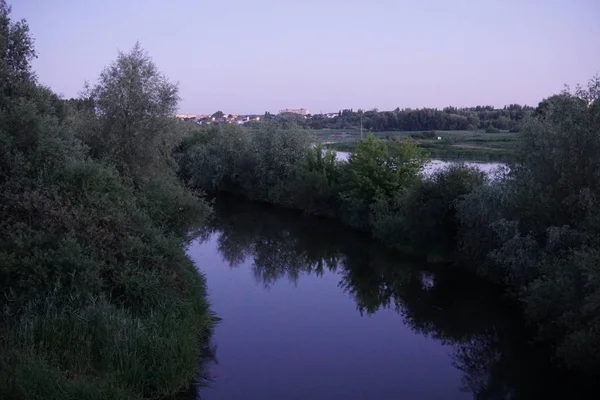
(249, 56)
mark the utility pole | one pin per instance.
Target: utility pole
(361, 129)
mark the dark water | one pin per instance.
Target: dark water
(312, 310)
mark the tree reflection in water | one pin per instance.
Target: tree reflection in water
(491, 346)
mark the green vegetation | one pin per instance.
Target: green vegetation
(535, 229)
(99, 300)
(453, 145)
(98, 297)
(268, 163)
(508, 118)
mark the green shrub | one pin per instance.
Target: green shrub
(269, 163)
(425, 217)
(536, 228)
(316, 187)
(99, 299)
(375, 175)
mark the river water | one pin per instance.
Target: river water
(312, 310)
(436, 165)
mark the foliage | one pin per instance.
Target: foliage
(280, 165)
(536, 228)
(98, 297)
(375, 175)
(133, 125)
(317, 183)
(267, 163)
(275, 156)
(510, 117)
(16, 54)
(425, 219)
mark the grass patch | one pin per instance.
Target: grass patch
(100, 351)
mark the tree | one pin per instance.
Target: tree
(16, 51)
(218, 114)
(560, 148)
(377, 172)
(134, 105)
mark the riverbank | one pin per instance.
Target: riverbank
(98, 298)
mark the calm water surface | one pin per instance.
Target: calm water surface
(311, 310)
(490, 168)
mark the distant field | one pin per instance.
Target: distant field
(454, 145)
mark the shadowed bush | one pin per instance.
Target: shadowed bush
(98, 298)
(536, 228)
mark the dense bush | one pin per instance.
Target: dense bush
(425, 217)
(537, 228)
(375, 175)
(280, 165)
(98, 298)
(267, 163)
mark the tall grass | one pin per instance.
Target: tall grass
(98, 350)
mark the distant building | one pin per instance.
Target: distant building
(299, 111)
(186, 116)
(206, 119)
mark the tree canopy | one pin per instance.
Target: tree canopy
(134, 106)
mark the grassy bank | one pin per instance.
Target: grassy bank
(99, 300)
(453, 145)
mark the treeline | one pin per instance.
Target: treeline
(509, 118)
(98, 298)
(534, 229)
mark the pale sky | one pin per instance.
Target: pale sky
(247, 56)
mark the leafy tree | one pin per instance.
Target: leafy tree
(318, 183)
(16, 53)
(377, 173)
(134, 105)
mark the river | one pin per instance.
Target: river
(312, 310)
(436, 165)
